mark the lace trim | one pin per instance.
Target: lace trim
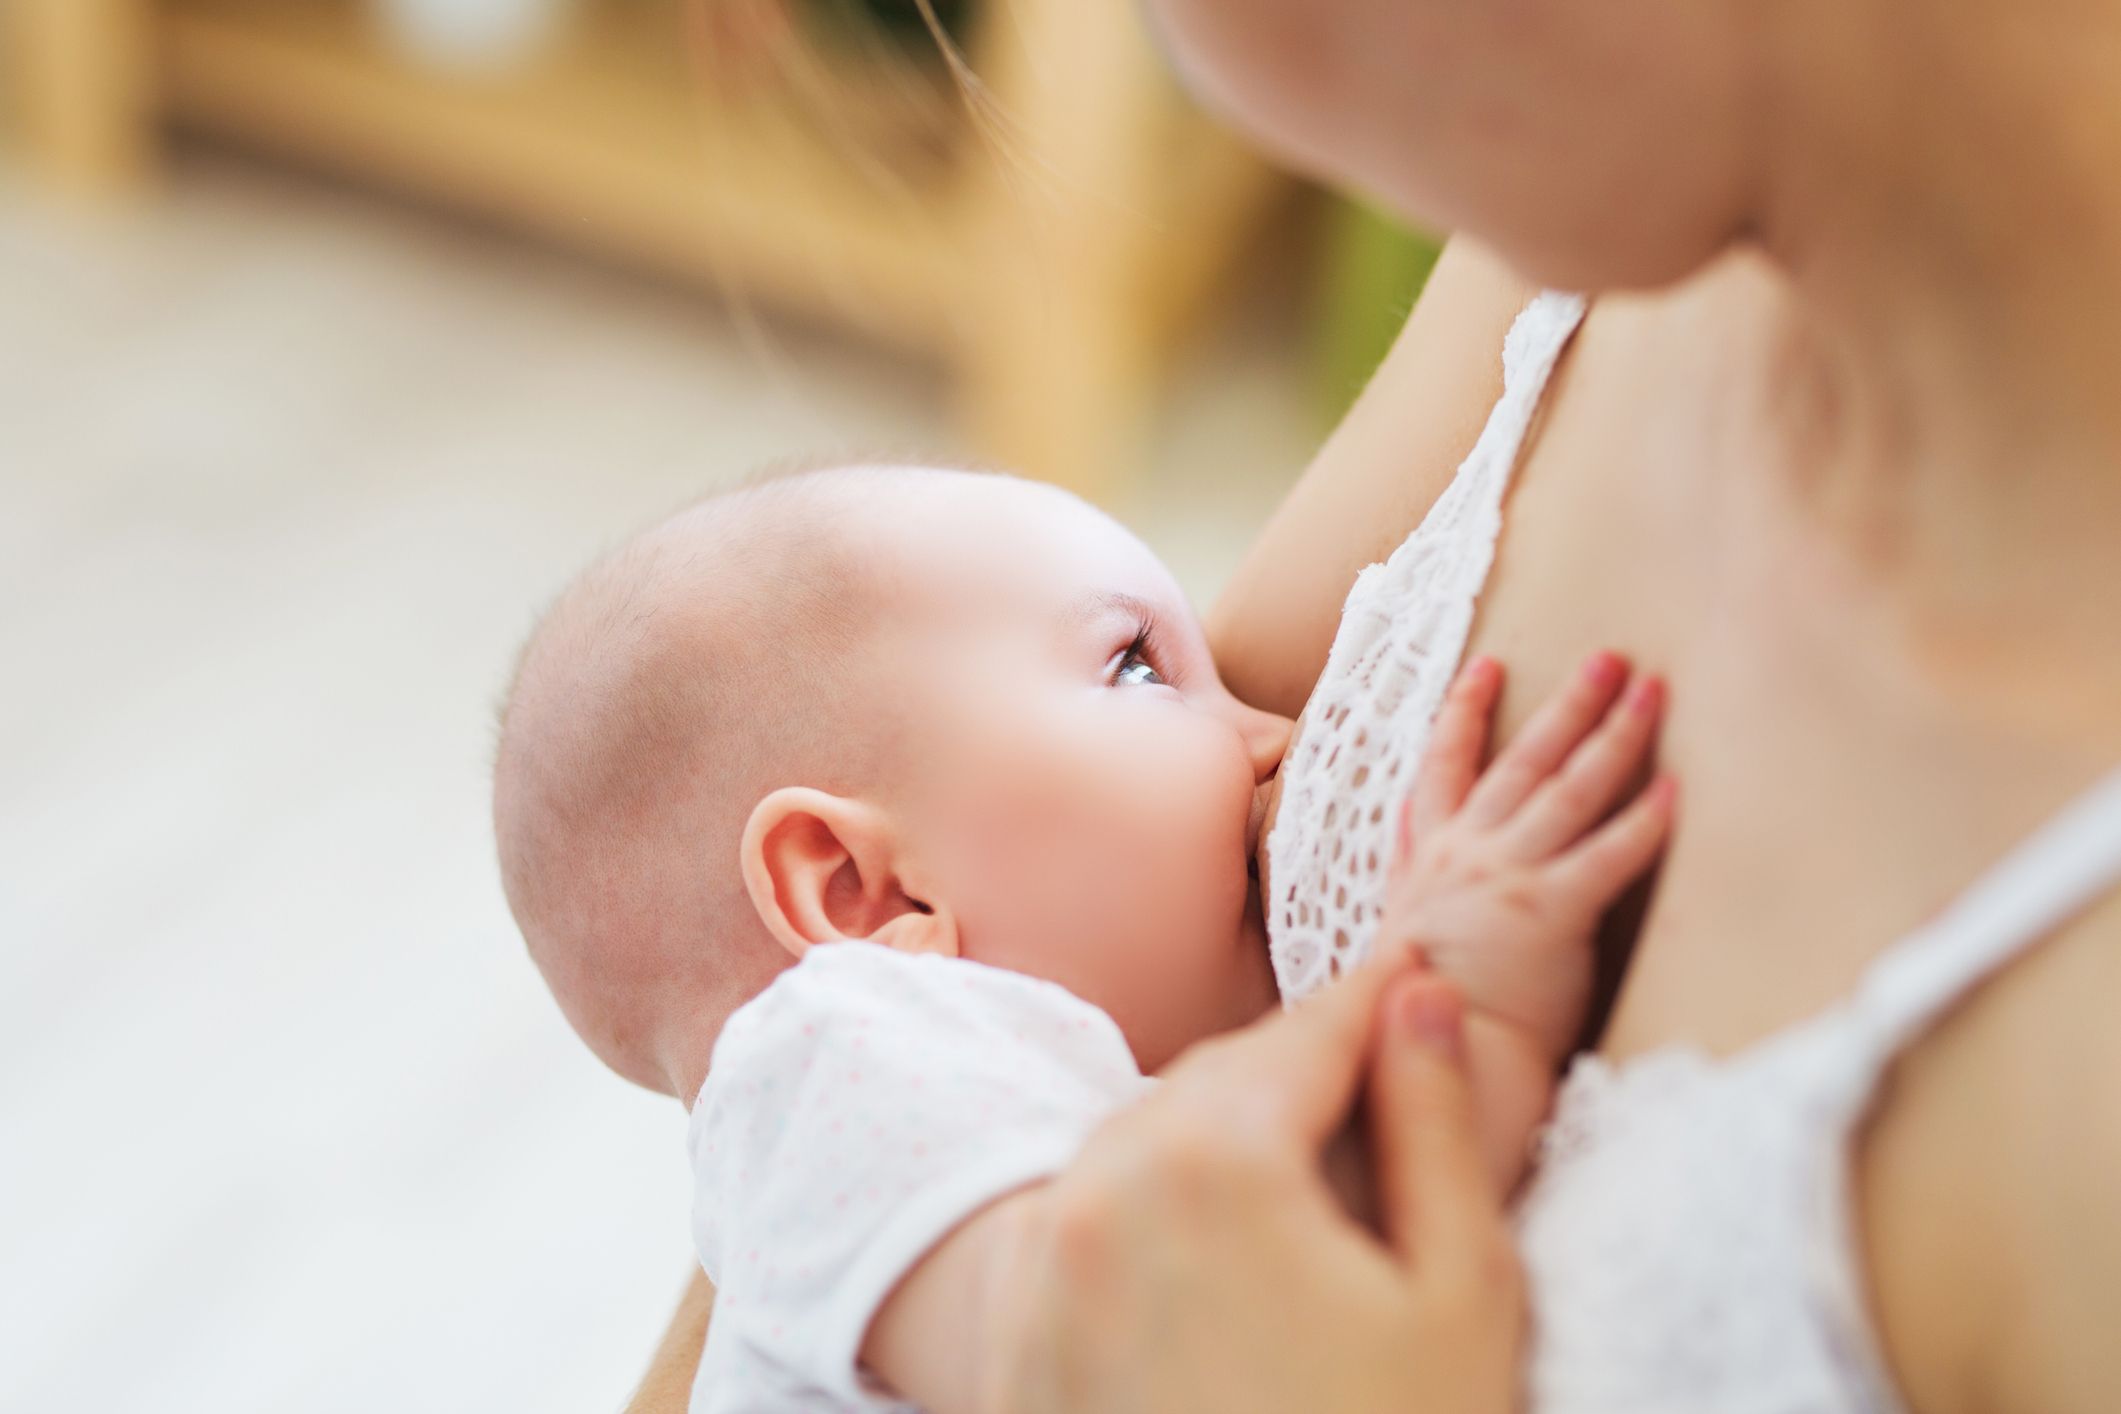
(1402, 632)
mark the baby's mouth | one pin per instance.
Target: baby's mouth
(1266, 804)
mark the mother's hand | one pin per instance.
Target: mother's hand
(1195, 1257)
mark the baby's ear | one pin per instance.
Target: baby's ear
(822, 869)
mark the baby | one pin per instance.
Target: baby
(911, 800)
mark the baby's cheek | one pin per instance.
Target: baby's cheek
(1029, 860)
(1114, 866)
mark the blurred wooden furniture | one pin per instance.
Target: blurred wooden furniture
(1052, 256)
(78, 82)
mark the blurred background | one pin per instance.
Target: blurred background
(334, 334)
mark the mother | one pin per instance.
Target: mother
(1851, 479)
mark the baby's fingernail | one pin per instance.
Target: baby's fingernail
(1647, 695)
(1433, 1018)
(1603, 669)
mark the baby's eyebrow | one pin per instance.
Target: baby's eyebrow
(1108, 604)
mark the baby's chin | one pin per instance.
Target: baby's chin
(1261, 993)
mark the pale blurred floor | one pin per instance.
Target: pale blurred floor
(286, 1121)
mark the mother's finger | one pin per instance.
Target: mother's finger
(1303, 1067)
(1438, 1200)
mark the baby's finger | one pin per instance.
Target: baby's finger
(1547, 739)
(1616, 854)
(1579, 795)
(1458, 744)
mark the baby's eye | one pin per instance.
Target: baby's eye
(1135, 664)
(1137, 670)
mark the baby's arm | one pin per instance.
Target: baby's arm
(870, 1122)
(930, 1339)
(1501, 875)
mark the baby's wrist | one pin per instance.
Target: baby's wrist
(1542, 1005)
(1513, 1078)
(1533, 1047)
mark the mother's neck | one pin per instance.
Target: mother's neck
(1949, 214)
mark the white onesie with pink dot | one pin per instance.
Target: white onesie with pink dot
(855, 1112)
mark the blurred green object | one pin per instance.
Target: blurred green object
(901, 19)
(1372, 269)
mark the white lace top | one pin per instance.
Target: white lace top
(1401, 635)
(1687, 1233)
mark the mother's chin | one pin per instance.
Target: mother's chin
(1594, 146)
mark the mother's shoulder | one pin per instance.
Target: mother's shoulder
(1986, 1184)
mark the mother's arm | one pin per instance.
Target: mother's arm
(667, 1387)
(1371, 483)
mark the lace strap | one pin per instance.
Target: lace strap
(1529, 353)
(2057, 872)
(1466, 520)
(1473, 501)
(1403, 629)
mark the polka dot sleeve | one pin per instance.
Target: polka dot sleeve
(856, 1112)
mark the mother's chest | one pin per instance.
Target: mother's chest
(1628, 528)
(1601, 543)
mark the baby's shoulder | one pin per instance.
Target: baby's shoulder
(862, 985)
(852, 1015)
(925, 1077)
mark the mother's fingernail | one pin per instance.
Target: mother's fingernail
(1434, 1018)
(1398, 952)
(1605, 669)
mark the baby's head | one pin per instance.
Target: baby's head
(945, 711)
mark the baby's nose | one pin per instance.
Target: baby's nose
(1267, 736)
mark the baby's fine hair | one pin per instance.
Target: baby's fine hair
(681, 676)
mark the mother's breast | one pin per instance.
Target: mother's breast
(1612, 536)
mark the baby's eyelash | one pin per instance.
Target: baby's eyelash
(1148, 646)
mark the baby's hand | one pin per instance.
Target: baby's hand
(1501, 875)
